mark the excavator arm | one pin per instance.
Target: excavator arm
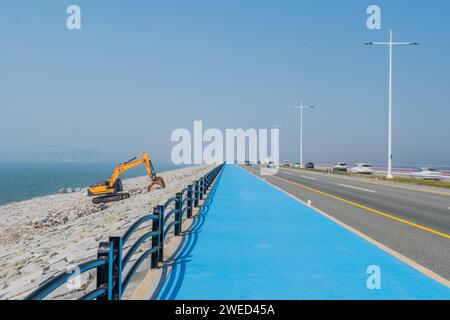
(152, 174)
(121, 169)
(134, 163)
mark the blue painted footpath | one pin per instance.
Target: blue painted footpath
(255, 242)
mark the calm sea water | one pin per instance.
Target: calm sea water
(21, 181)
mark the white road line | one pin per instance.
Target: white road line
(305, 177)
(352, 187)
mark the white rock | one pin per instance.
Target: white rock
(72, 216)
(65, 218)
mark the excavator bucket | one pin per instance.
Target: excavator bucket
(156, 181)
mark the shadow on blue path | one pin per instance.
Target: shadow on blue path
(168, 288)
(252, 241)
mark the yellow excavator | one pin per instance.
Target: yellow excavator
(111, 190)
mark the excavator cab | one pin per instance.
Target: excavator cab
(118, 186)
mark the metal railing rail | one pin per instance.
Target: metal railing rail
(102, 265)
(111, 261)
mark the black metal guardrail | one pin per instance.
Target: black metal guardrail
(111, 262)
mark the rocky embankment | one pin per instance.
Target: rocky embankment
(42, 236)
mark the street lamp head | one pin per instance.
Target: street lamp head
(368, 43)
(304, 107)
(413, 43)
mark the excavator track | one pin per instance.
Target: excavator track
(111, 198)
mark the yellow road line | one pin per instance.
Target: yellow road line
(412, 224)
(441, 193)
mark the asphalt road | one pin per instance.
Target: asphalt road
(411, 220)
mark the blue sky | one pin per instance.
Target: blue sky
(140, 69)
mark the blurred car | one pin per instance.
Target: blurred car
(297, 165)
(340, 167)
(247, 163)
(362, 168)
(427, 174)
(271, 164)
(286, 163)
(309, 165)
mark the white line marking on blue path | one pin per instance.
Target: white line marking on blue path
(352, 187)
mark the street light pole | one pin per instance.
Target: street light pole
(389, 174)
(301, 107)
(391, 44)
(301, 135)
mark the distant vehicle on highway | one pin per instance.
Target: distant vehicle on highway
(286, 163)
(340, 167)
(427, 174)
(247, 163)
(309, 165)
(362, 168)
(297, 165)
(270, 164)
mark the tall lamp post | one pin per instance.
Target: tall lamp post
(391, 44)
(301, 107)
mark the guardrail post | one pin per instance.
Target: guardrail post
(201, 188)
(156, 238)
(205, 188)
(117, 267)
(209, 180)
(197, 193)
(162, 233)
(104, 273)
(178, 213)
(189, 202)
